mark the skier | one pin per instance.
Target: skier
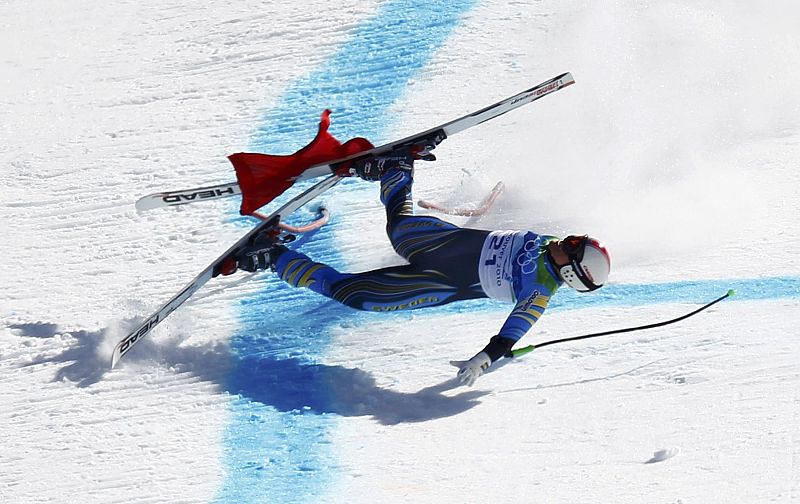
(447, 263)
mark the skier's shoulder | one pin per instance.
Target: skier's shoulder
(530, 244)
(535, 273)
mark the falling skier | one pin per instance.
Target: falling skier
(447, 263)
(263, 177)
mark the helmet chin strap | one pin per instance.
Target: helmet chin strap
(574, 275)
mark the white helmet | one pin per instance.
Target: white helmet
(589, 263)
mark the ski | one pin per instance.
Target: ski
(271, 222)
(174, 198)
(336, 170)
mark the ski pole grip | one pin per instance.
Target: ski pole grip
(520, 351)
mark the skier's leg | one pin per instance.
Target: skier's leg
(389, 289)
(416, 236)
(396, 197)
(298, 270)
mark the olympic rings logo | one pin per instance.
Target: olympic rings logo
(528, 256)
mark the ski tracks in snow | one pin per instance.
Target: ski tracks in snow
(109, 102)
(71, 434)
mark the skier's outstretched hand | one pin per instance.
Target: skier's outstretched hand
(469, 371)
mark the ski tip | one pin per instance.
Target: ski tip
(731, 293)
(148, 202)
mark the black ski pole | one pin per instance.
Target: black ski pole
(531, 348)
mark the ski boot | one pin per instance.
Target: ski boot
(260, 254)
(401, 158)
(372, 169)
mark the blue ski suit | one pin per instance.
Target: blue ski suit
(447, 263)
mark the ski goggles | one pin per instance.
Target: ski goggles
(574, 246)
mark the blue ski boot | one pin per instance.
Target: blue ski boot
(402, 158)
(259, 255)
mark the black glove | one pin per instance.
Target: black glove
(498, 347)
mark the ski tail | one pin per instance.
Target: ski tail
(263, 177)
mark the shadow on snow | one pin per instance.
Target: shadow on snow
(287, 384)
(290, 385)
(81, 363)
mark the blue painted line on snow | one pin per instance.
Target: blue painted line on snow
(631, 295)
(700, 291)
(276, 446)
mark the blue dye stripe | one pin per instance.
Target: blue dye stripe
(276, 445)
(629, 295)
(700, 291)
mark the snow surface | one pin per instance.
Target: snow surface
(678, 147)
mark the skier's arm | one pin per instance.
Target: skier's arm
(526, 312)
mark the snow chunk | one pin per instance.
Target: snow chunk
(662, 455)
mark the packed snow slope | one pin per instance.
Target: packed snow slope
(677, 147)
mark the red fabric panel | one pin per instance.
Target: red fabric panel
(263, 177)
